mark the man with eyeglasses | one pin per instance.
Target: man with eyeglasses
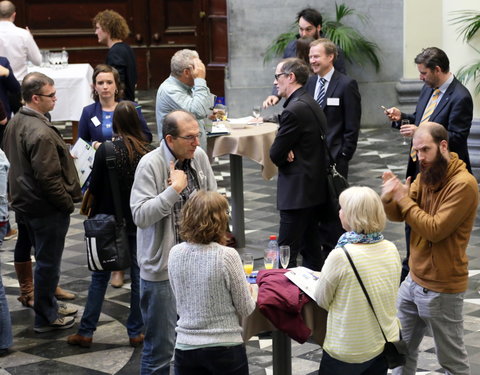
(43, 189)
(164, 180)
(299, 153)
(187, 89)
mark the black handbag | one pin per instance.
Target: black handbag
(396, 352)
(106, 235)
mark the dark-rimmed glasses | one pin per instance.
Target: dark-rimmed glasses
(52, 95)
(189, 138)
(277, 76)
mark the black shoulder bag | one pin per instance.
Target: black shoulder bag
(336, 183)
(395, 353)
(106, 235)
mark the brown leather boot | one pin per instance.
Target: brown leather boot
(116, 279)
(63, 294)
(25, 280)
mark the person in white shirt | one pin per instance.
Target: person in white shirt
(16, 44)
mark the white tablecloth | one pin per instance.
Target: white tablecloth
(74, 90)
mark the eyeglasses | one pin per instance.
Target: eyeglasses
(280, 74)
(189, 138)
(52, 95)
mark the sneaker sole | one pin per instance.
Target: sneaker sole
(53, 328)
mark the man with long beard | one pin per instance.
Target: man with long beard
(440, 206)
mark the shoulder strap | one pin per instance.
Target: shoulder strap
(364, 290)
(112, 174)
(324, 135)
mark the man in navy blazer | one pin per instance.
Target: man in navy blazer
(299, 153)
(341, 102)
(453, 108)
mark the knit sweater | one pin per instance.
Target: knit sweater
(211, 293)
(441, 223)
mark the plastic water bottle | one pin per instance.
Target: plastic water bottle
(273, 247)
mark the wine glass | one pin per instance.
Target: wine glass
(269, 258)
(256, 113)
(284, 255)
(404, 122)
(247, 263)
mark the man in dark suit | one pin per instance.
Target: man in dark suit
(449, 103)
(339, 98)
(443, 100)
(299, 153)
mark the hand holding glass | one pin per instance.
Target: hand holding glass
(404, 122)
(284, 255)
(248, 263)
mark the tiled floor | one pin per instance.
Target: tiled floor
(48, 353)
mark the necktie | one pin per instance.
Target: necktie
(431, 107)
(426, 116)
(321, 92)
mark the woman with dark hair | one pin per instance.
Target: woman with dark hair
(129, 146)
(211, 291)
(95, 124)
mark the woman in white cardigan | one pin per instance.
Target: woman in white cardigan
(211, 291)
(354, 342)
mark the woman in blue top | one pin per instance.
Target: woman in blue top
(95, 124)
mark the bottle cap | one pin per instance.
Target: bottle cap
(273, 237)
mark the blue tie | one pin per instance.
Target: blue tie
(321, 93)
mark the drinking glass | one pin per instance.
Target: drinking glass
(404, 122)
(269, 258)
(284, 255)
(247, 263)
(256, 113)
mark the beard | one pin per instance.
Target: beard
(433, 175)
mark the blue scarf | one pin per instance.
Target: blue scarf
(354, 237)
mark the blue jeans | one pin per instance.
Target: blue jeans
(332, 366)
(215, 360)
(96, 296)
(6, 338)
(160, 317)
(47, 234)
(420, 309)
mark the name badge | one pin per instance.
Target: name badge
(95, 121)
(333, 101)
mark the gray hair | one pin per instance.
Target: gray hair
(182, 59)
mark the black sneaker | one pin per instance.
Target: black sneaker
(59, 323)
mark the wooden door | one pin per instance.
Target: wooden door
(159, 28)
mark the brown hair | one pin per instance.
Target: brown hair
(103, 68)
(204, 218)
(113, 23)
(303, 48)
(127, 125)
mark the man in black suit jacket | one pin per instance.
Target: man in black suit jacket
(453, 108)
(341, 102)
(299, 153)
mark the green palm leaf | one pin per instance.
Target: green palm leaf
(356, 47)
(470, 72)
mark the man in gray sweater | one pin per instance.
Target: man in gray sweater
(164, 180)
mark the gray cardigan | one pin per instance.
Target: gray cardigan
(152, 201)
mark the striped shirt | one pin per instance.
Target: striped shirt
(353, 334)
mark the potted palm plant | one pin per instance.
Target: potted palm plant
(469, 25)
(354, 45)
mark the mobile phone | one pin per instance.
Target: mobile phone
(382, 107)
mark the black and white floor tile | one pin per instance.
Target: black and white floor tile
(48, 353)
